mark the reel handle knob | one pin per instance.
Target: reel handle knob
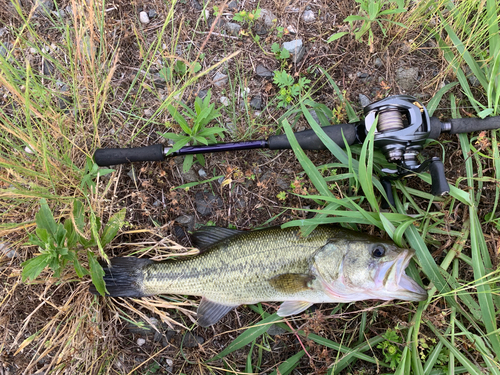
(439, 183)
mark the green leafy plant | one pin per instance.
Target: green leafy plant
(279, 52)
(289, 91)
(60, 243)
(370, 12)
(392, 353)
(195, 128)
(180, 68)
(247, 17)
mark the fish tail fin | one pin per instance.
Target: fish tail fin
(123, 277)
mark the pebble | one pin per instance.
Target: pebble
(132, 175)
(244, 93)
(233, 5)
(267, 17)
(196, 5)
(378, 63)
(191, 340)
(33, 51)
(363, 99)
(206, 202)
(233, 28)
(308, 16)
(262, 71)
(471, 77)
(152, 13)
(202, 173)
(256, 102)
(296, 49)
(143, 17)
(291, 29)
(189, 176)
(169, 367)
(148, 112)
(48, 68)
(406, 78)
(265, 22)
(43, 7)
(202, 93)
(141, 341)
(275, 330)
(220, 79)
(29, 149)
(186, 221)
(5, 250)
(224, 100)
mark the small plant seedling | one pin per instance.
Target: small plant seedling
(392, 352)
(370, 12)
(247, 17)
(59, 243)
(179, 69)
(289, 91)
(280, 53)
(281, 195)
(195, 128)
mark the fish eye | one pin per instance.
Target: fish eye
(378, 251)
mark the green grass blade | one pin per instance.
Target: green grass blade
(248, 336)
(471, 367)
(286, 367)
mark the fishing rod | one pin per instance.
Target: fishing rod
(403, 125)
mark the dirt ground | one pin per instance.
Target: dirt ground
(157, 213)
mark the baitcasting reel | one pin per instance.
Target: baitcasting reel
(402, 127)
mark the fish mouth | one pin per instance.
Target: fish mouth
(397, 283)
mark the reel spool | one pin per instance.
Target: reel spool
(403, 125)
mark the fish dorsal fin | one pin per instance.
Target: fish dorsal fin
(291, 282)
(292, 307)
(207, 236)
(210, 312)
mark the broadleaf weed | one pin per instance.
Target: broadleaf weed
(194, 125)
(288, 90)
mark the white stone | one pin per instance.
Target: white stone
(143, 17)
(29, 149)
(141, 342)
(33, 50)
(308, 16)
(245, 92)
(224, 100)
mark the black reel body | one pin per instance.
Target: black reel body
(402, 127)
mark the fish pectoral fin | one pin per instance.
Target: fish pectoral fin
(207, 236)
(291, 282)
(292, 307)
(210, 312)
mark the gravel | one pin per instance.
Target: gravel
(144, 18)
(296, 50)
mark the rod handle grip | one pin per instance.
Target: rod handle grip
(308, 140)
(469, 125)
(113, 156)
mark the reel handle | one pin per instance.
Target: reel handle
(440, 186)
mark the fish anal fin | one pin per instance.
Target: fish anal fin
(210, 312)
(291, 282)
(292, 307)
(207, 236)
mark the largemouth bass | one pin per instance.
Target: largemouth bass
(236, 267)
